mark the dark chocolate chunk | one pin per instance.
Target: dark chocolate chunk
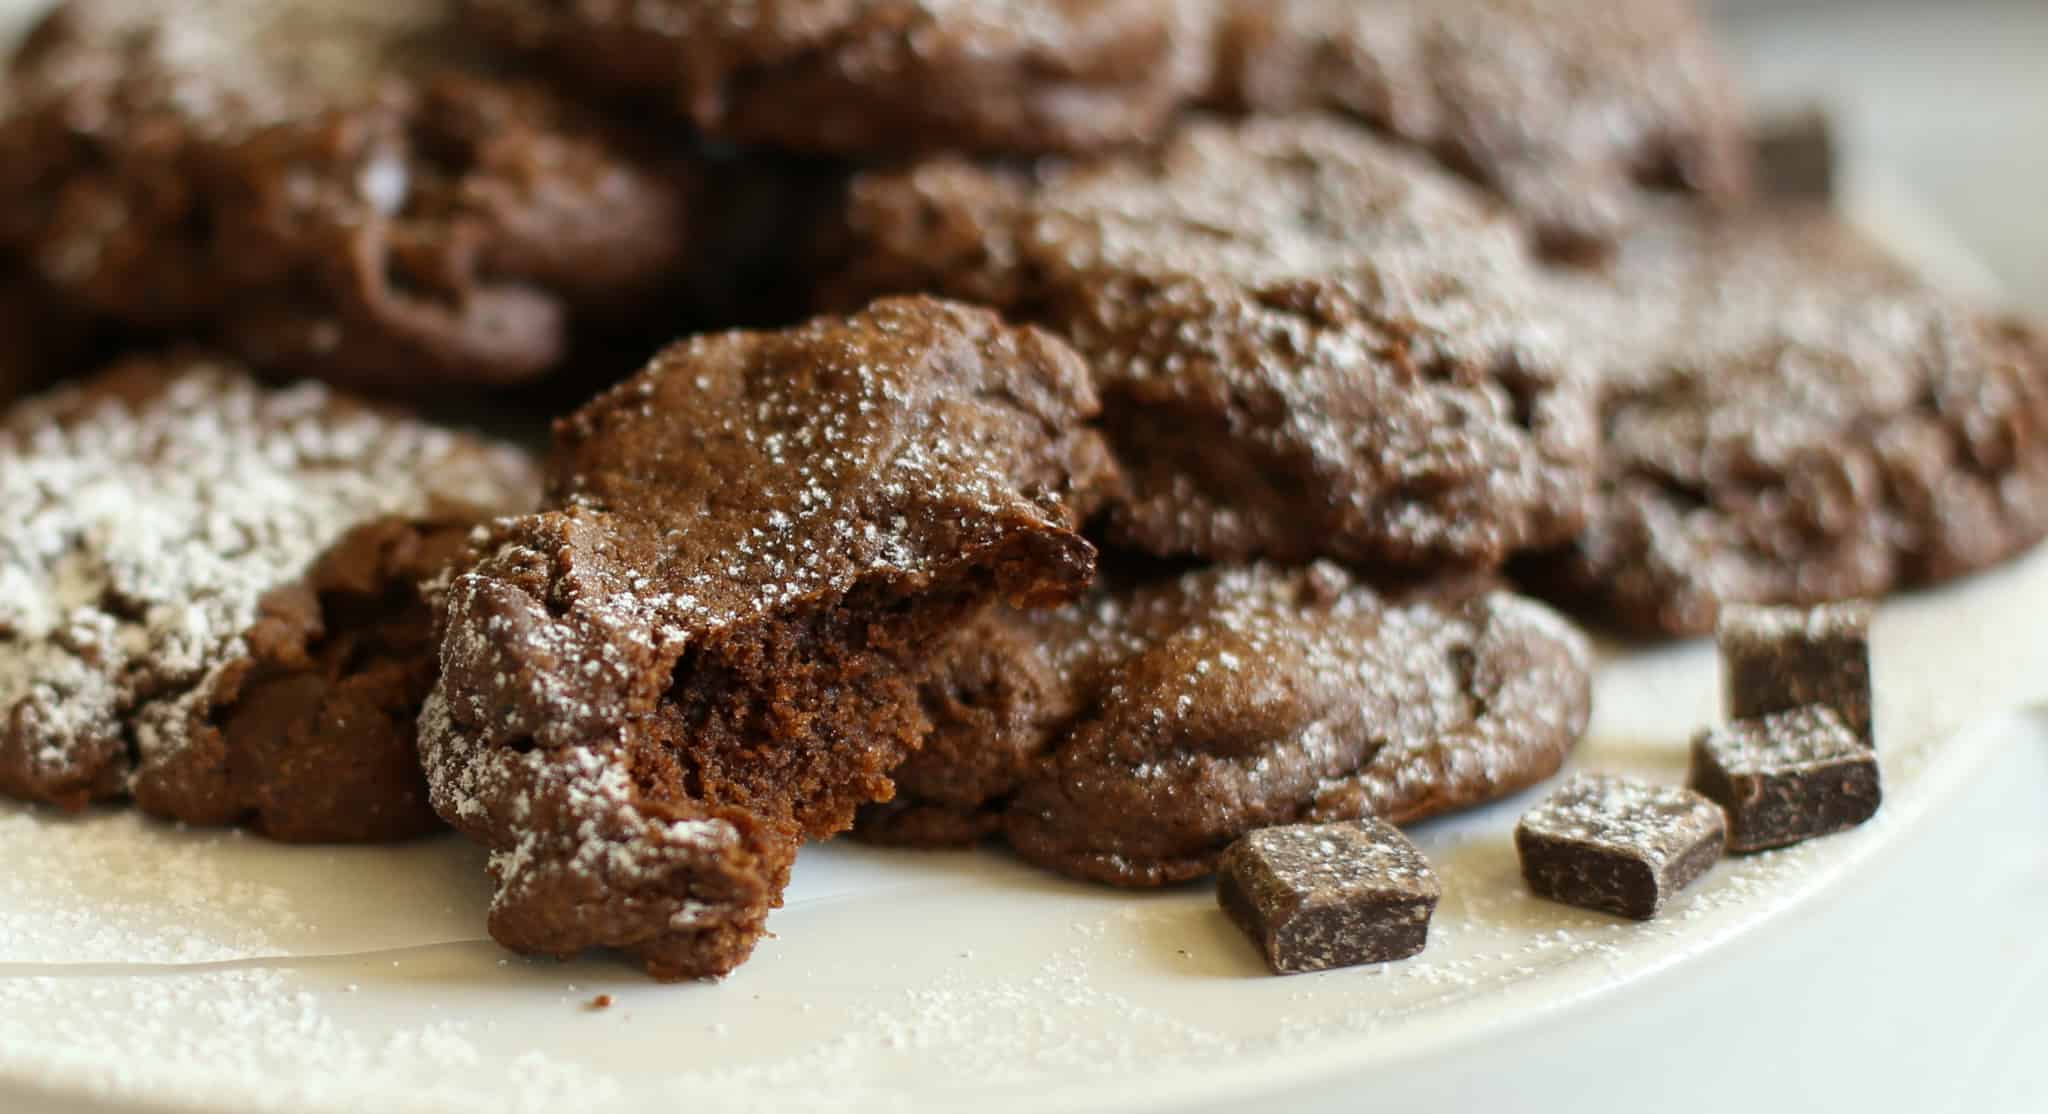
(1796, 154)
(1317, 896)
(1617, 844)
(1775, 659)
(1786, 778)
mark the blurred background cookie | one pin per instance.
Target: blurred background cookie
(337, 188)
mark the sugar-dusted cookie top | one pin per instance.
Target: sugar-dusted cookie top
(1791, 416)
(176, 543)
(870, 77)
(1575, 111)
(1131, 736)
(1309, 342)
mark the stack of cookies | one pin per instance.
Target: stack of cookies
(1113, 426)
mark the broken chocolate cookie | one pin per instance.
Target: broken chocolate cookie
(1618, 845)
(1317, 896)
(210, 597)
(1786, 777)
(1791, 417)
(1130, 737)
(336, 188)
(1309, 343)
(707, 651)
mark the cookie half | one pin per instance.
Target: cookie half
(1132, 736)
(335, 188)
(1573, 110)
(1791, 417)
(210, 597)
(876, 77)
(1309, 342)
(707, 651)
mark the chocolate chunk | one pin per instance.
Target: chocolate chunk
(1796, 155)
(1618, 845)
(1776, 659)
(707, 649)
(1786, 777)
(1317, 896)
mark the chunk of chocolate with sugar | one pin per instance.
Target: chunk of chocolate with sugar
(1775, 659)
(1617, 844)
(1317, 896)
(1786, 778)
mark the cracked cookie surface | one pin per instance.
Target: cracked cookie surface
(335, 189)
(1130, 737)
(1573, 110)
(706, 652)
(210, 596)
(1309, 343)
(1792, 417)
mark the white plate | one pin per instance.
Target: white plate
(147, 968)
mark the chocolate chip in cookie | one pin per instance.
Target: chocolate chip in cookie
(873, 77)
(1309, 342)
(1792, 417)
(336, 188)
(210, 597)
(707, 650)
(1132, 736)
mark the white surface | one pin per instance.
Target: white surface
(1953, 94)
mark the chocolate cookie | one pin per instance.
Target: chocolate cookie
(707, 651)
(337, 188)
(1309, 343)
(1569, 108)
(210, 597)
(865, 77)
(1133, 735)
(1791, 417)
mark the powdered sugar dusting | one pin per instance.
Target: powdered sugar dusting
(1309, 342)
(1656, 822)
(140, 534)
(105, 889)
(1803, 737)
